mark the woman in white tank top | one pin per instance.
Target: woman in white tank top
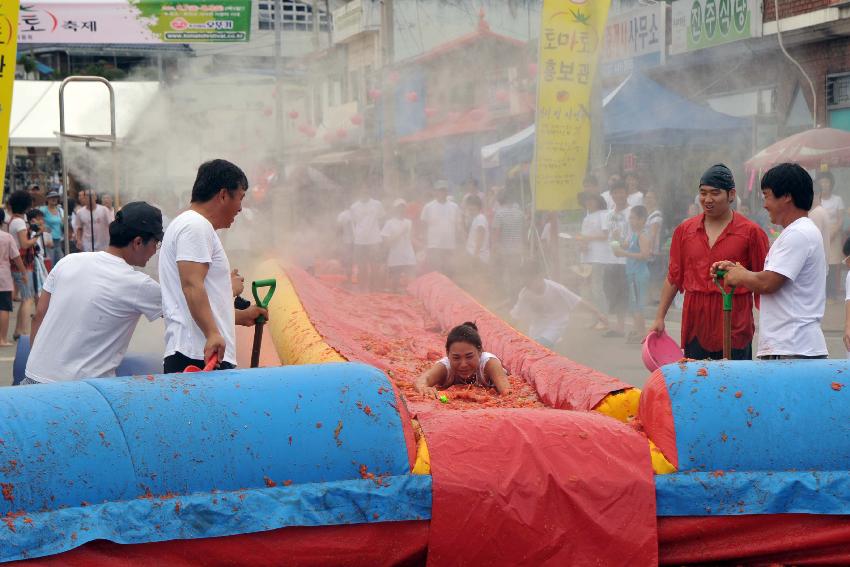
(465, 363)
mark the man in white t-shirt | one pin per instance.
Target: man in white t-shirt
(545, 307)
(92, 301)
(793, 283)
(478, 239)
(442, 219)
(396, 234)
(366, 216)
(194, 273)
(89, 214)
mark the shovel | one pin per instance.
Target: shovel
(727, 314)
(211, 364)
(261, 320)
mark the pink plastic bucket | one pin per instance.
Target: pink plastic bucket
(659, 350)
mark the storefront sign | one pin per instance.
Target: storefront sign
(634, 37)
(570, 44)
(134, 22)
(698, 24)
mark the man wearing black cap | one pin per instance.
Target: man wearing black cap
(719, 233)
(92, 301)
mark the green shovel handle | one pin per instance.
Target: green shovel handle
(727, 295)
(264, 302)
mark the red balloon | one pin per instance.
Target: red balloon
(412, 96)
(293, 114)
(357, 120)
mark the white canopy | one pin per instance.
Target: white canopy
(35, 110)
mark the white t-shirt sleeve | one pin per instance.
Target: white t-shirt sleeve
(847, 287)
(193, 245)
(788, 255)
(149, 299)
(50, 282)
(520, 311)
(423, 216)
(571, 299)
(15, 226)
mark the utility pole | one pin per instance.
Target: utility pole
(315, 25)
(390, 176)
(280, 202)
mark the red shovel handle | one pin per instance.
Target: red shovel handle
(211, 364)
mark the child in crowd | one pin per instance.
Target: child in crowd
(465, 362)
(545, 307)
(8, 254)
(401, 259)
(638, 253)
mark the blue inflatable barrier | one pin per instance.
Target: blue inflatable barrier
(759, 438)
(153, 458)
(131, 365)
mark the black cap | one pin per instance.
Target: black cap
(142, 217)
(718, 176)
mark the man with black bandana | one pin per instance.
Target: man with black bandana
(719, 233)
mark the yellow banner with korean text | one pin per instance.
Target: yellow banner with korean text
(570, 41)
(8, 57)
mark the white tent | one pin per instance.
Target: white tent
(35, 110)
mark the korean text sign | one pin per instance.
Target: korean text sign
(570, 43)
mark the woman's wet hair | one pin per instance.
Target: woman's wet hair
(464, 333)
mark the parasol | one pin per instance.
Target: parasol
(810, 149)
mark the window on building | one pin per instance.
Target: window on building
(838, 91)
(838, 100)
(296, 16)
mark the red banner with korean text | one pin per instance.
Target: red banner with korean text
(570, 41)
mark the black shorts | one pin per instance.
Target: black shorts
(5, 300)
(614, 286)
(695, 350)
(177, 362)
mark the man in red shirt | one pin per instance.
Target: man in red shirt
(699, 242)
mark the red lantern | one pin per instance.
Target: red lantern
(357, 120)
(412, 96)
(293, 114)
(374, 94)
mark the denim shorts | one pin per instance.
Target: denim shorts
(25, 289)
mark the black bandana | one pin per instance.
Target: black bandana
(718, 176)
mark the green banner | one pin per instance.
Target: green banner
(697, 24)
(190, 22)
